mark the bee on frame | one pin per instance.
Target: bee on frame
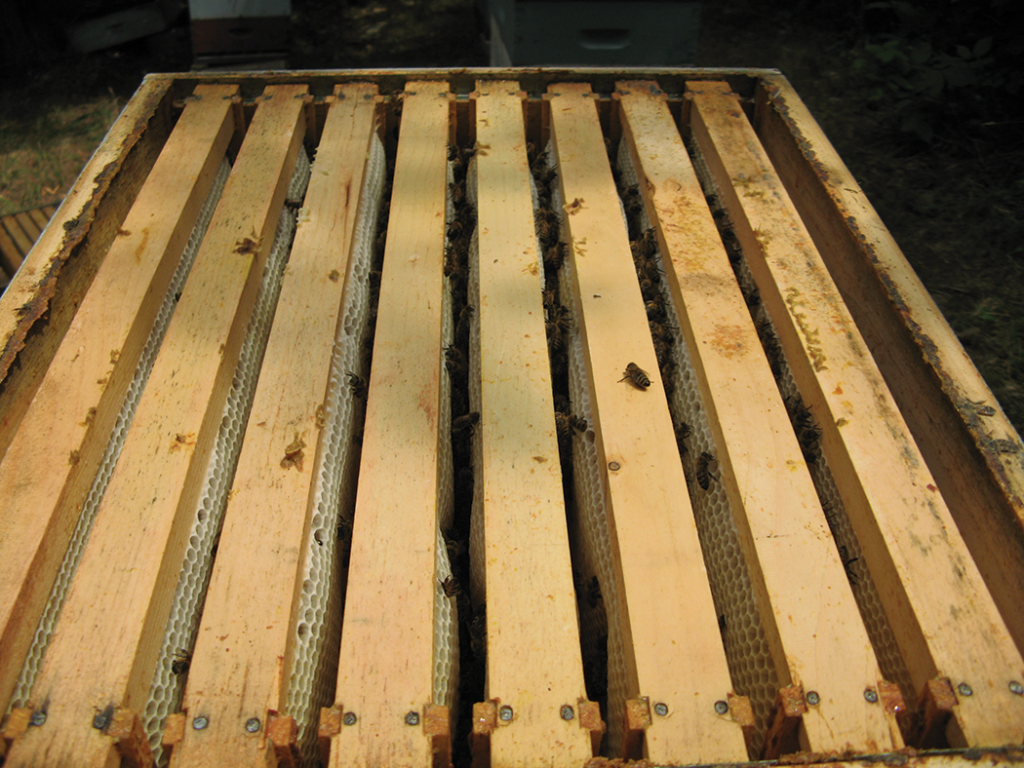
(704, 474)
(637, 376)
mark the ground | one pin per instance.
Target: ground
(954, 202)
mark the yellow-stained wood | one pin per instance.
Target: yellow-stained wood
(908, 537)
(69, 420)
(674, 654)
(814, 628)
(273, 497)
(106, 641)
(385, 670)
(971, 448)
(533, 647)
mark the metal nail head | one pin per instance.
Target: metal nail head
(252, 725)
(1016, 688)
(200, 722)
(412, 718)
(567, 713)
(721, 707)
(871, 695)
(964, 689)
(38, 718)
(813, 698)
(505, 713)
(349, 718)
(661, 709)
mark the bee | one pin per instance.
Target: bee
(637, 376)
(458, 194)
(655, 309)
(847, 563)
(704, 474)
(357, 384)
(454, 229)
(578, 423)
(554, 256)
(462, 327)
(466, 422)
(632, 201)
(593, 592)
(451, 587)
(661, 332)
(562, 427)
(182, 659)
(455, 362)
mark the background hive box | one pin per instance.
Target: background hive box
(505, 416)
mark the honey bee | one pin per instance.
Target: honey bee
(451, 587)
(454, 229)
(182, 659)
(577, 423)
(632, 201)
(637, 376)
(357, 384)
(458, 193)
(466, 422)
(554, 256)
(455, 362)
(704, 474)
(593, 592)
(462, 327)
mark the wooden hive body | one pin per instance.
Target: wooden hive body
(507, 416)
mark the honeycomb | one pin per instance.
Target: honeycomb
(124, 419)
(183, 623)
(746, 645)
(879, 630)
(317, 636)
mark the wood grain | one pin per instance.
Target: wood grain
(673, 648)
(69, 420)
(909, 540)
(533, 648)
(385, 670)
(106, 641)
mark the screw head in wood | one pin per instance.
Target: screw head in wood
(38, 718)
(412, 718)
(349, 718)
(964, 689)
(871, 695)
(567, 713)
(661, 709)
(505, 713)
(252, 725)
(721, 707)
(1016, 688)
(813, 698)
(200, 723)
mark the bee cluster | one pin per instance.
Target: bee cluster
(457, 358)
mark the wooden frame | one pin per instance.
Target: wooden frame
(928, 422)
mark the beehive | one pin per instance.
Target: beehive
(504, 416)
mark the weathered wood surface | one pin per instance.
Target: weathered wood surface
(908, 537)
(388, 628)
(68, 423)
(106, 642)
(654, 538)
(814, 628)
(272, 500)
(971, 448)
(533, 647)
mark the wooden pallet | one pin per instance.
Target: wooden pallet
(18, 233)
(718, 479)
